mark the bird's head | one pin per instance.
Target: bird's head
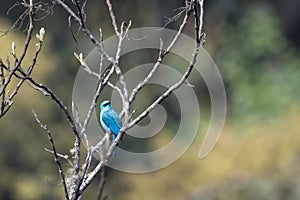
(104, 104)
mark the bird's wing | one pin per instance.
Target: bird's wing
(112, 121)
(116, 117)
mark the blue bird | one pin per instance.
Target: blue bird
(109, 119)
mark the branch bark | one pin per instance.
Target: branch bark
(55, 154)
(83, 173)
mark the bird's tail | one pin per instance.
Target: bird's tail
(113, 139)
(114, 153)
(115, 150)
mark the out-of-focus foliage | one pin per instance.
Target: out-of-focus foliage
(259, 65)
(261, 164)
(255, 48)
(22, 157)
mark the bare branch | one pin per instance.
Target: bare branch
(150, 75)
(76, 168)
(48, 92)
(121, 37)
(198, 28)
(117, 89)
(76, 115)
(82, 173)
(81, 13)
(168, 20)
(6, 104)
(24, 52)
(112, 17)
(91, 176)
(3, 103)
(85, 66)
(91, 150)
(66, 157)
(56, 158)
(86, 180)
(160, 58)
(86, 166)
(86, 31)
(101, 184)
(28, 72)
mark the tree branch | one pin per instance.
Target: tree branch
(83, 174)
(55, 154)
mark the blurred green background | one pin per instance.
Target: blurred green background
(256, 46)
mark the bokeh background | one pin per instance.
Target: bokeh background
(256, 46)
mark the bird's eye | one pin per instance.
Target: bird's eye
(106, 104)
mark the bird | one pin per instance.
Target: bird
(109, 119)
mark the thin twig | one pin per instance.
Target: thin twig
(101, 184)
(76, 116)
(84, 174)
(175, 86)
(112, 16)
(117, 89)
(24, 52)
(198, 28)
(160, 58)
(3, 103)
(86, 180)
(66, 157)
(91, 176)
(56, 158)
(86, 31)
(6, 104)
(28, 73)
(121, 37)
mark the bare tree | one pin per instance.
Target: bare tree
(83, 173)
